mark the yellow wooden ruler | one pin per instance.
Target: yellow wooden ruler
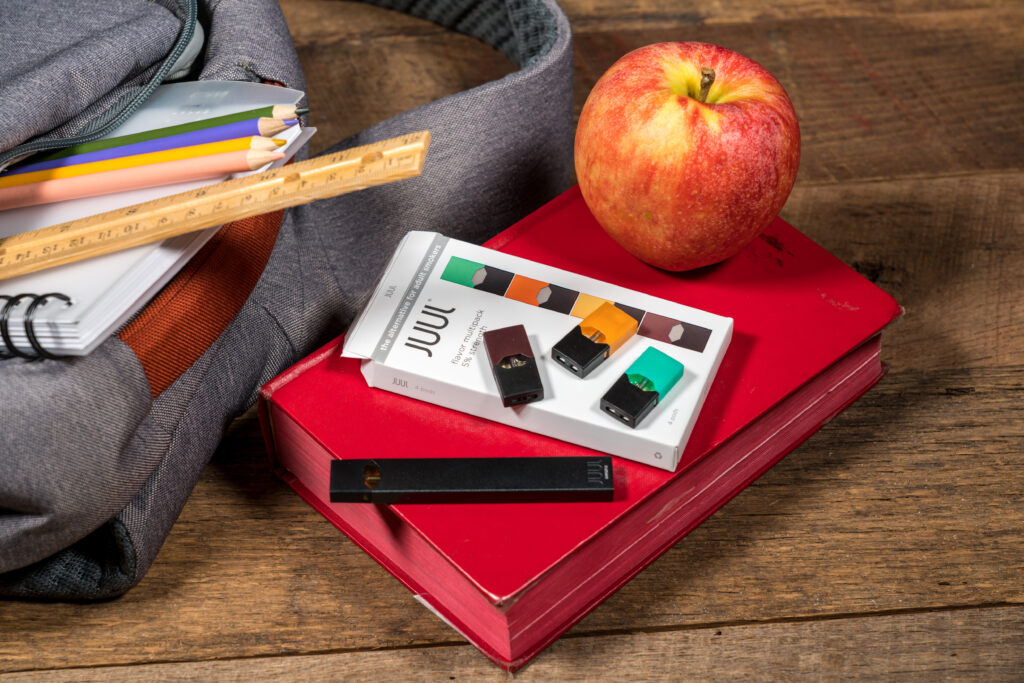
(325, 176)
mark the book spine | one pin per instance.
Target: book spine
(320, 355)
(265, 397)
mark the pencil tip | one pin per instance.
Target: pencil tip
(301, 111)
(289, 122)
(279, 143)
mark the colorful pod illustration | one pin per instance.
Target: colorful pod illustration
(644, 384)
(570, 302)
(542, 294)
(477, 275)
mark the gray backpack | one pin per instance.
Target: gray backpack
(99, 453)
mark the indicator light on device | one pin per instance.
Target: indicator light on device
(513, 365)
(599, 335)
(644, 384)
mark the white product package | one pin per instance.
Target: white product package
(421, 335)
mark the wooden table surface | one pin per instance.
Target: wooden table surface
(891, 544)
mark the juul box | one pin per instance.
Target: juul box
(421, 335)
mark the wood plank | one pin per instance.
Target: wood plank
(874, 96)
(978, 644)
(369, 82)
(613, 15)
(950, 250)
(873, 89)
(312, 21)
(364, 65)
(328, 22)
(910, 499)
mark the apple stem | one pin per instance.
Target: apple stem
(707, 78)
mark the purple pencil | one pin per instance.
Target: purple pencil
(240, 129)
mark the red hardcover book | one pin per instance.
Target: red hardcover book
(513, 577)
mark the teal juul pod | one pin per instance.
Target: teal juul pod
(644, 384)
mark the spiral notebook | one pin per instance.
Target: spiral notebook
(102, 294)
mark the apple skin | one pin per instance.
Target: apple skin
(679, 183)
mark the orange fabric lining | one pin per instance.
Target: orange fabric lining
(177, 327)
(196, 306)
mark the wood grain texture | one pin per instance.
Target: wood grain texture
(887, 546)
(371, 64)
(874, 95)
(983, 644)
(615, 16)
(948, 249)
(892, 506)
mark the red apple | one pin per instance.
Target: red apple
(679, 177)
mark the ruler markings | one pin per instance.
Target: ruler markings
(325, 176)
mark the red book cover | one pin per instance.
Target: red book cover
(513, 577)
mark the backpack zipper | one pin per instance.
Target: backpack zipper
(119, 112)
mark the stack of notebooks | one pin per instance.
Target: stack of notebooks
(187, 135)
(512, 577)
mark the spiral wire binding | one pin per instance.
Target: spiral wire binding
(38, 300)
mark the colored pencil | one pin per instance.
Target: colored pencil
(172, 130)
(264, 127)
(265, 144)
(286, 111)
(167, 173)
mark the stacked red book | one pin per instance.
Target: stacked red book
(513, 577)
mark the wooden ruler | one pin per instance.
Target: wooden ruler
(326, 176)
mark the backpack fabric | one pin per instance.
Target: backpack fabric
(98, 454)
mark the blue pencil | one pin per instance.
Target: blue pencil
(264, 127)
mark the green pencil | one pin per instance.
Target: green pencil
(277, 111)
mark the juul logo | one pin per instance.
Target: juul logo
(597, 472)
(436, 319)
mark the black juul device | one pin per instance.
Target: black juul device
(390, 481)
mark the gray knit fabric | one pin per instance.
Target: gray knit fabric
(93, 473)
(67, 69)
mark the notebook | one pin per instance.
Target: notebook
(108, 290)
(513, 577)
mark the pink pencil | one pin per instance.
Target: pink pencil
(108, 182)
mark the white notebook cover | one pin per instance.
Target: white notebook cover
(107, 291)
